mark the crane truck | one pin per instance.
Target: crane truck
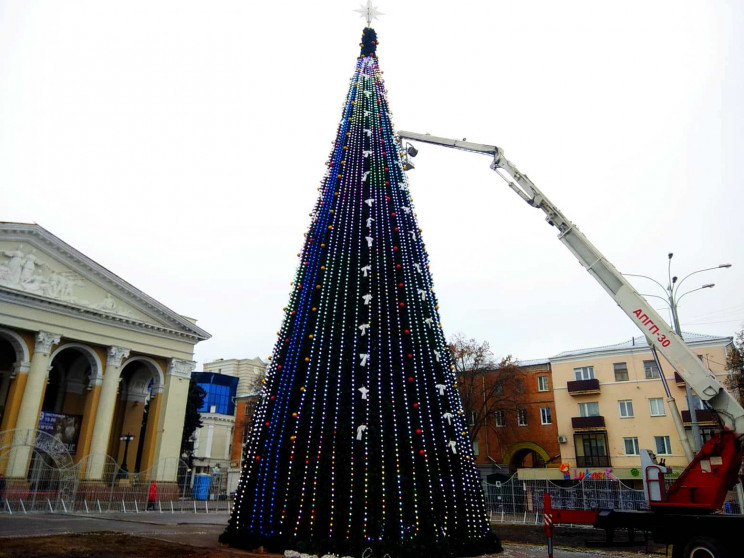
(687, 513)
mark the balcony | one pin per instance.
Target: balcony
(587, 422)
(704, 416)
(582, 387)
(592, 461)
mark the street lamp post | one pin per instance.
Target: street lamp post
(126, 439)
(672, 298)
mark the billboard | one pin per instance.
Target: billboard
(64, 428)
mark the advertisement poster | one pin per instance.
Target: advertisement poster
(65, 428)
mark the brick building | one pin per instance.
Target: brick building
(519, 429)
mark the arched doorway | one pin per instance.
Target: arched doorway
(7, 360)
(65, 409)
(526, 455)
(13, 354)
(132, 438)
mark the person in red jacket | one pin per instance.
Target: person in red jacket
(152, 496)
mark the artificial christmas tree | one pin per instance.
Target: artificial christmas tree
(359, 441)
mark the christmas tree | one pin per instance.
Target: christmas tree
(359, 440)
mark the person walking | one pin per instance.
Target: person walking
(2, 490)
(152, 496)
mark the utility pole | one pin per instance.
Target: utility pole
(672, 298)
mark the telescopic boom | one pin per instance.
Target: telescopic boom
(666, 341)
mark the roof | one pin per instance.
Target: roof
(215, 378)
(78, 263)
(533, 362)
(641, 344)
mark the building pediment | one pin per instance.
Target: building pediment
(39, 269)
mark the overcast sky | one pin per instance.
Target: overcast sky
(179, 144)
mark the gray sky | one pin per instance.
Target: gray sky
(180, 144)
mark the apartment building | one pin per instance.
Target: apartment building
(610, 403)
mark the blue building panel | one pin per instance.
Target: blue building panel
(221, 390)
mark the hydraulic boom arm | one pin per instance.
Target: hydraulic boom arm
(666, 341)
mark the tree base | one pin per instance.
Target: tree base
(415, 548)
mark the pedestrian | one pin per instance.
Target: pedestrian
(2, 489)
(152, 496)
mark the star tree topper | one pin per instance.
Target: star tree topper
(369, 12)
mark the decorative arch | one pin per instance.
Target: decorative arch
(19, 345)
(520, 447)
(153, 366)
(96, 368)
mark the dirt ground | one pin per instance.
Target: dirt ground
(574, 538)
(105, 544)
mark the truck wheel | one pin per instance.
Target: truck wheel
(703, 547)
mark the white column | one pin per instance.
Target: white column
(210, 436)
(105, 412)
(170, 421)
(28, 414)
(228, 444)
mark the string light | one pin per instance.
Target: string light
(349, 443)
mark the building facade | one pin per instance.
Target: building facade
(248, 373)
(213, 440)
(519, 431)
(91, 368)
(611, 403)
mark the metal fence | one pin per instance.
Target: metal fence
(521, 501)
(53, 489)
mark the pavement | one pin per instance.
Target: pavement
(198, 530)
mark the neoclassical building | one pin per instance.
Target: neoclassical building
(90, 366)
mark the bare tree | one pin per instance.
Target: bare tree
(735, 365)
(253, 389)
(487, 388)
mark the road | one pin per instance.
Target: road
(199, 530)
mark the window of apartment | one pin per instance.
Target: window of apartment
(626, 408)
(656, 405)
(519, 385)
(542, 383)
(522, 417)
(697, 403)
(663, 445)
(590, 409)
(650, 369)
(498, 387)
(500, 417)
(472, 415)
(476, 449)
(545, 416)
(621, 371)
(591, 450)
(631, 446)
(584, 373)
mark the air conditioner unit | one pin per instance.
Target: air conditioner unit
(562, 439)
